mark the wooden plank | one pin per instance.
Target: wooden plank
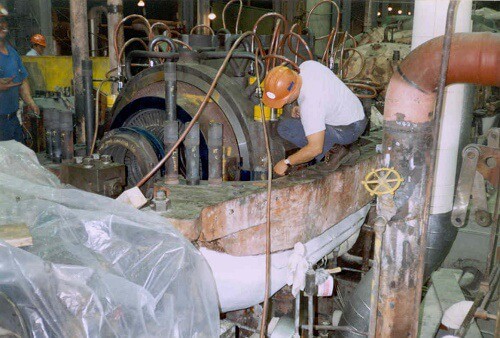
(17, 235)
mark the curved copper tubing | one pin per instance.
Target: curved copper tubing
(346, 63)
(287, 38)
(126, 44)
(282, 58)
(182, 43)
(120, 24)
(164, 25)
(276, 32)
(237, 18)
(202, 26)
(314, 8)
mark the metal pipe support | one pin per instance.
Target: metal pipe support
(170, 69)
(88, 95)
(192, 145)
(171, 135)
(215, 142)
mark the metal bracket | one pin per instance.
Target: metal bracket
(479, 163)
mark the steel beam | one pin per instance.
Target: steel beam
(115, 15)
(80, 51)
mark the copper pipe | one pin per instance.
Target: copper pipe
(344, 65)
(126, 44)
(275, 31)
(202, 26)
(282, 58)
(314, 8)
(133, 16)
(182, 43)
(408, 147)
(198, 113)
(164, 25)
(287, 38)
(237, 18)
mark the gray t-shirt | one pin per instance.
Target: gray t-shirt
(325, 99)
(32, 52)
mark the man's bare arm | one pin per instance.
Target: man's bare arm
(25, 92)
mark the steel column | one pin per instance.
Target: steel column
(80, 51)
(203, 9)
(192, 145)
(215, 140)
(88, 99)
(346, 15)
(115, 15)
(170, 90)
(171, 135)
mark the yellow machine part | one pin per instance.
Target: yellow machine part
(50, 72)
(257, 112)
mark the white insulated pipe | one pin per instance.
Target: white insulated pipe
(428, 22)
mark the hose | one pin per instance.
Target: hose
(237, 18)
(126, 44)
(284, 59)
(287, 38)
(344, 65)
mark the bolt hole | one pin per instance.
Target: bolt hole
(458, 220)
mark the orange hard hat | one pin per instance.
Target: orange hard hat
(280, 83)
(38, 39)
(3, 11)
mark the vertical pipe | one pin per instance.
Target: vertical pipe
(369, 7)
(215, 140)
(48, 124)
(186, 11)
(379, 228)
(310, 315)
(297, 316)
(115, 15)
(203, 7)
(384, 12)
(88, 96)
(171, 135)
(346, 15)
(80, 52)
(170, 71)
(55, 137)
(192, 145)
(66, 124)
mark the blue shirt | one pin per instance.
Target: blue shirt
(11, 65)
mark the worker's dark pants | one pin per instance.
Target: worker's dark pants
(292, 130)
(10, 128)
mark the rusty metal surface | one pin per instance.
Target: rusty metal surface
(231, 217)
(408, 140)
(229, 107)
(474, 58)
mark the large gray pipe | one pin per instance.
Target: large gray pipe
(95, 19)
(88, 96)
(80, 52)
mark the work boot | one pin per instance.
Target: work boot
(333, 159)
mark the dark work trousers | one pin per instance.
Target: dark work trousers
(10, 128)
(292, 130)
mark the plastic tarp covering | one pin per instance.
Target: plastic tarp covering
(97, 268)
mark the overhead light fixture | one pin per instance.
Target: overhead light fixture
(389, 9)
(212, 16)
(409, 13)
(379, 14)
(141, 3)
(400, 12)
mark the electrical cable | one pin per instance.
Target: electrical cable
(96, 126)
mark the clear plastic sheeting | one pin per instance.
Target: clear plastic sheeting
(97, 268)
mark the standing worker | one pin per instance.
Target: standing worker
(13, 83)
(328, 112)
(38, 45)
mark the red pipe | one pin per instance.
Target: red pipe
(408, 138)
